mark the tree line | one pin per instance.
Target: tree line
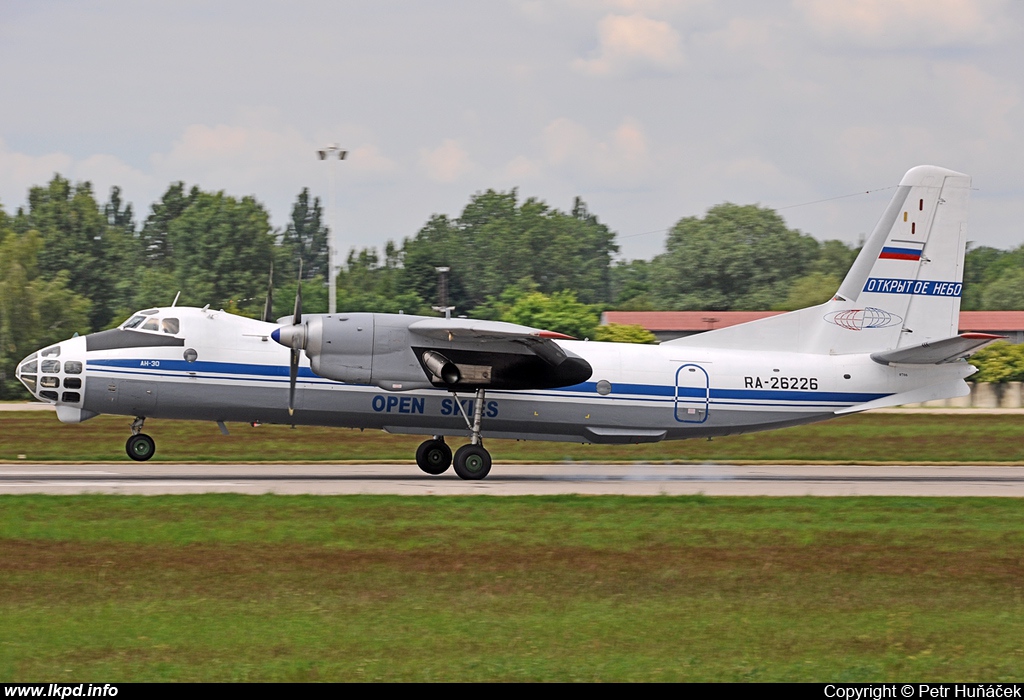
(70, 264)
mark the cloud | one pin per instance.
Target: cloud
(20, 171)
(446, 163)
(622, 158)
(634, 43)
(906, 23)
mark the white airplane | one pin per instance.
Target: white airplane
(887, 337)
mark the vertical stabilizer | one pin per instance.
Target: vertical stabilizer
(903, 289)
(909, 276)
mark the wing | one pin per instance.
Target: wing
(471, 353)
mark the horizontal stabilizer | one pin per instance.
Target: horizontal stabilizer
(947, 390)
(936, 352)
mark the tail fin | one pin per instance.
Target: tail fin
(903, 289)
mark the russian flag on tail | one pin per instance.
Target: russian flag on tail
(900, 250)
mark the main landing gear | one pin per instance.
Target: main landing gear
(472, 461)
(434, 456)
(140, 446)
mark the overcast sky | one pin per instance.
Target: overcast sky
(650, 110)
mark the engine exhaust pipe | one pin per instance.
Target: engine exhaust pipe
(441, 367)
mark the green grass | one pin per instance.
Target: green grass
(226, 587)
(903, 438)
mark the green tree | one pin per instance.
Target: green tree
(624, 333)
(835, 259)
(497, 240)
(305, 238)
(560, 312)
(78, 239)
(809, 290)
(34, 311)
(631, 285)
(999, 362)
(155, 235)
(213, 248)
(1006, 292)
(736, 257)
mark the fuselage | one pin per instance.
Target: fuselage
(199, 364)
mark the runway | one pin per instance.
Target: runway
(514, 480)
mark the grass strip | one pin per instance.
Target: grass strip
(38, 436)
(293, 588)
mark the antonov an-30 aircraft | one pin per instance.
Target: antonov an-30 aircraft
(887, 337)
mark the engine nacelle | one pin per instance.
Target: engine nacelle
(340, 347)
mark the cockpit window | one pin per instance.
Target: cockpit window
(151, 325)
(30, 367)
(51, 366)
(171, 325)
(133, 322)
(52, 351)
(72, 367)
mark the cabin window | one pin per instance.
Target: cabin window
(72, 367)
(71, 397)
(920, 205)
(171, 325)
(51, 366)
(72, 383)
(49, 382)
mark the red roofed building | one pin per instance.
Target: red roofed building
(667, 325)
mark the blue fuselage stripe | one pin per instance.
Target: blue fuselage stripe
(279, 373)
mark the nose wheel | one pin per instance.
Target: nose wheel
(140, 446)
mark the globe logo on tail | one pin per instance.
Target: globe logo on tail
(862, 319)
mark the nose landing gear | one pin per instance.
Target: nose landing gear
(140, 446)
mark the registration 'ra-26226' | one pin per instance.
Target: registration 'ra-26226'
(798, 383)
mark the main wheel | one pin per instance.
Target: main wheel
(140, 447)
(434, 457)
(472, 462)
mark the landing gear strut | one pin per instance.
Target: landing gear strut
(472, 461)
(140, 446)
(434, 456)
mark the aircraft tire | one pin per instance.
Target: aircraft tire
(472, 462)
(140, 447)
(434, 457)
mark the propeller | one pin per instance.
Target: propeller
(268, 307)
(293, 337)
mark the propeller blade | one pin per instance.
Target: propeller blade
(268, 307)
(293, 375)
(293, 369)
(298, 299)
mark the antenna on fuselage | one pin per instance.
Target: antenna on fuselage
(175, 302)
